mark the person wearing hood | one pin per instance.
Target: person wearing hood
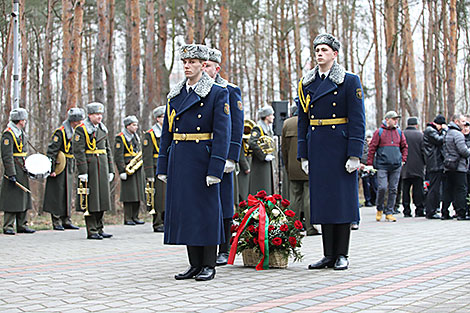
(126, 148)
(59, 186)
(95, 168)
(150, 150)
(388, 152)
(15, 202)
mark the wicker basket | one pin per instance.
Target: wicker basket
(251, 258)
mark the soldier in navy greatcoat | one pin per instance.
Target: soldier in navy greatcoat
(236, 118)
(331, 132)
(193, 152)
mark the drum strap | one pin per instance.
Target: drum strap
(129, 150)
(18, 147)
(154, 140)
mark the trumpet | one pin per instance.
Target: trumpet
(150, 197)
(266, 144)
(83, 191)
(134, 164)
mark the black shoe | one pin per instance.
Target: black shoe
(130, 223)
(435, 216)
(462, 218)
(222, 259)
(26, 231)
(207, 273)
(58, 227)
(105, 235)
(159, 229)
(406, 214)
(189, 273)
(420, 214)
(324, 262)
(71, 226)
(354, 226)
(341, 263)
(368, 203)
(139, 222)
(9, 232)
(446, 217)
(95, 237)
(314, 232)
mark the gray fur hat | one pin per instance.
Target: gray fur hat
(194, 51)
(215, 55)
(159, 111)
(265, 111)
(327, 39)
(95, 107)
(75, 115)
(129, 120)
(18, 114)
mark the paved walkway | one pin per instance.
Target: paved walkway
(414, 265)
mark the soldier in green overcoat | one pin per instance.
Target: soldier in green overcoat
(59, 186)
(126, 151)
(14, 201)
(151, 148)
(95, 168)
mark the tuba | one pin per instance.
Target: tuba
(150, 197)
(83, 191)
(247, 127)
(134, 164)
(266, 144)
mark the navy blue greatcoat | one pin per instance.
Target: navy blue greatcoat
(237, 120)
(333, 191)
(193, 211)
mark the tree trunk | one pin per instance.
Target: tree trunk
(282, 37)
(100, 50)
(89, 68)
(45, 112)
(199, 30)
(312, 28)
(408, 51)
(224, 38)
(67, 25)
(133, 97)
(190, 21)
(8, 65)
(150, 85)
(377, 67)
(297, 46)
(452, 64)
(257, 68)
(24, 55)
(391, 52)
(162, 74)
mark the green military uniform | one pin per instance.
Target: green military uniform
(261, 176)
(93, 156)
(126, 147)
(244, 178)
(151, 144)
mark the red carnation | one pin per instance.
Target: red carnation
(289, 213)
(292, 241)
(277, 196)
(234, 228)
(261, 194)
(235, 216)
(298, 224)
(251, 229)
(270, 198)
(242, 204)
(285, 203)
(277, 241)
(271, 228)
(255, 240)
(284, 227)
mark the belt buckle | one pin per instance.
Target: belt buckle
(320, 122)
(183, 136)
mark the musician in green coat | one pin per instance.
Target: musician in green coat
(14, 199)
(59, 186)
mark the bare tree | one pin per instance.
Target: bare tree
(224, 38)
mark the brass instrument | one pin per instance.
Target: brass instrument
(83, 191)
(266, 144)
(150, 196)
(248, 126)
(134, 164)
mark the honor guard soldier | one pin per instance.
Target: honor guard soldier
(128, 158)
(261, 177)
(236, 119)
(15, 197)
(157, 191)
(95, 168)
(194, 147)
(331, 132)
(58, 194)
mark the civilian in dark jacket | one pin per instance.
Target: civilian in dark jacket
(413, 171)
(433, 140)
(368, 177)
(466, 132)
(455, 184)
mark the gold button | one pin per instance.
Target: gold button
(176, 142)
(199, 116)
(333, 126)
(335, 93)
(334, 104)
(183, 136)
(176, 129)
(334, 115)
(197, 140)
(178, 118)
(198, 128)
(202, 104)
(313, 127)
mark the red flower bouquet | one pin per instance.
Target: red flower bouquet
(267, 226)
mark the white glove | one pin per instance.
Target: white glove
(123, 176)
(83, 177)
(269, 158)
(162, 177)
(229, 166)
(110, 177)
(210, 180)
(352, 164)
(151, 179)
(304, 164)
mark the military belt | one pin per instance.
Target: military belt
(68, 155)
(155, 156)
(96, 151)
(19, 154)
(192, 137)
(329, 121)
(130, 154)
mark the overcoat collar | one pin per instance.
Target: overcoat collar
(157, 130)
(68, 129)
(18, 132)
(219, 80)
(202, 89)
(336, 75)
(91, 128)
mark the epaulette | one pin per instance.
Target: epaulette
(150, 130)
(232, 85)
(120, 134)
(217, 84)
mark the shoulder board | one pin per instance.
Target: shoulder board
(120, 134)
(217, 84)
(150, 130)
(232, 85)
(59, 128)
(7, 129)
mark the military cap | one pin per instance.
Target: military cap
(75, 115)
(94, 107)
(159, 111)
(413, 120)
(265, 111)
(391, 114)
(129, 120)
(327, 39)
(194, 51)
(18, 114)
(215, 55)
(440, 119)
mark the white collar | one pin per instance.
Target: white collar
(323, 73)
(190, 86)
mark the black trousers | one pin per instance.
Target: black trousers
(202, 256)
(223, 248)
(131, 211)
(433, 198)
(418, 195)
(455, 192)
(335, 239)
(94, 223)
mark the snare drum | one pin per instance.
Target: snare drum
(38, 166)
